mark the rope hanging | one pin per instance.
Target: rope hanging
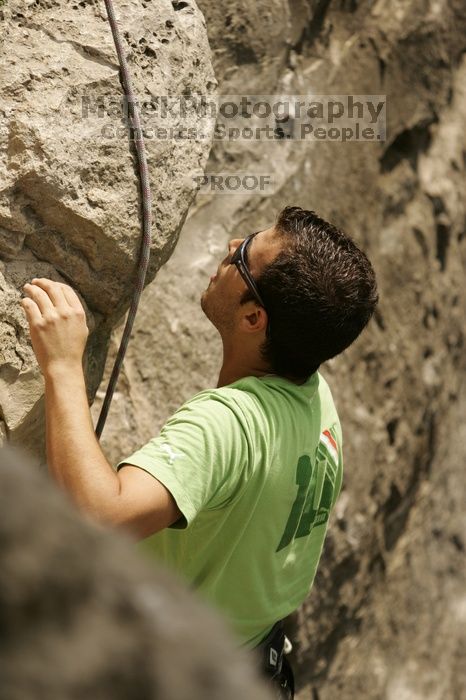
(135, 128)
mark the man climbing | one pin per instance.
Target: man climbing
(235, 492)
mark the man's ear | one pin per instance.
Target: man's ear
(254, 318)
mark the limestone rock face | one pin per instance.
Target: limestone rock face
(69, 191)
(385, 618)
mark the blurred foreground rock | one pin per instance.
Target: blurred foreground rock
(81, 616)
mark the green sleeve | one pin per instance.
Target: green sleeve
(199, 455)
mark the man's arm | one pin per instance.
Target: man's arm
(133, 499)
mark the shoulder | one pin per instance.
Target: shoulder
(329, 407)
(226, 398)
(213, 410)
(213, 398)
(324, 391)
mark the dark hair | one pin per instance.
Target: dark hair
(320, 292)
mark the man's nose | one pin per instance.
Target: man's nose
(233, 244)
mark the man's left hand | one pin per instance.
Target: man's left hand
(57, 324)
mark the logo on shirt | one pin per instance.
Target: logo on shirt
(169, 450)
(330, 444)
(316, 483)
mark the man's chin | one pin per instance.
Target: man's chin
(207, 307)
(204, 303)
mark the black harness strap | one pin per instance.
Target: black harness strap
(274, 664)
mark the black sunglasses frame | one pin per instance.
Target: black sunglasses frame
(239, 259)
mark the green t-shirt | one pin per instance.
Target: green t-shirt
(255, 468)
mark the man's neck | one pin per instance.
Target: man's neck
(236, 366)
(249, 363)
(232, 372)
(228, 375)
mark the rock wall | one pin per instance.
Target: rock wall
(69, 192)
(385, 618)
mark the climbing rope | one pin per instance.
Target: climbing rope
(135, 127)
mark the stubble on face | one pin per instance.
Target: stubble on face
(218, 307)
(221, 300)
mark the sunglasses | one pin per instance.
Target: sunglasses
(239, 258)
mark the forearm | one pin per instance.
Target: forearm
(74, 456)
